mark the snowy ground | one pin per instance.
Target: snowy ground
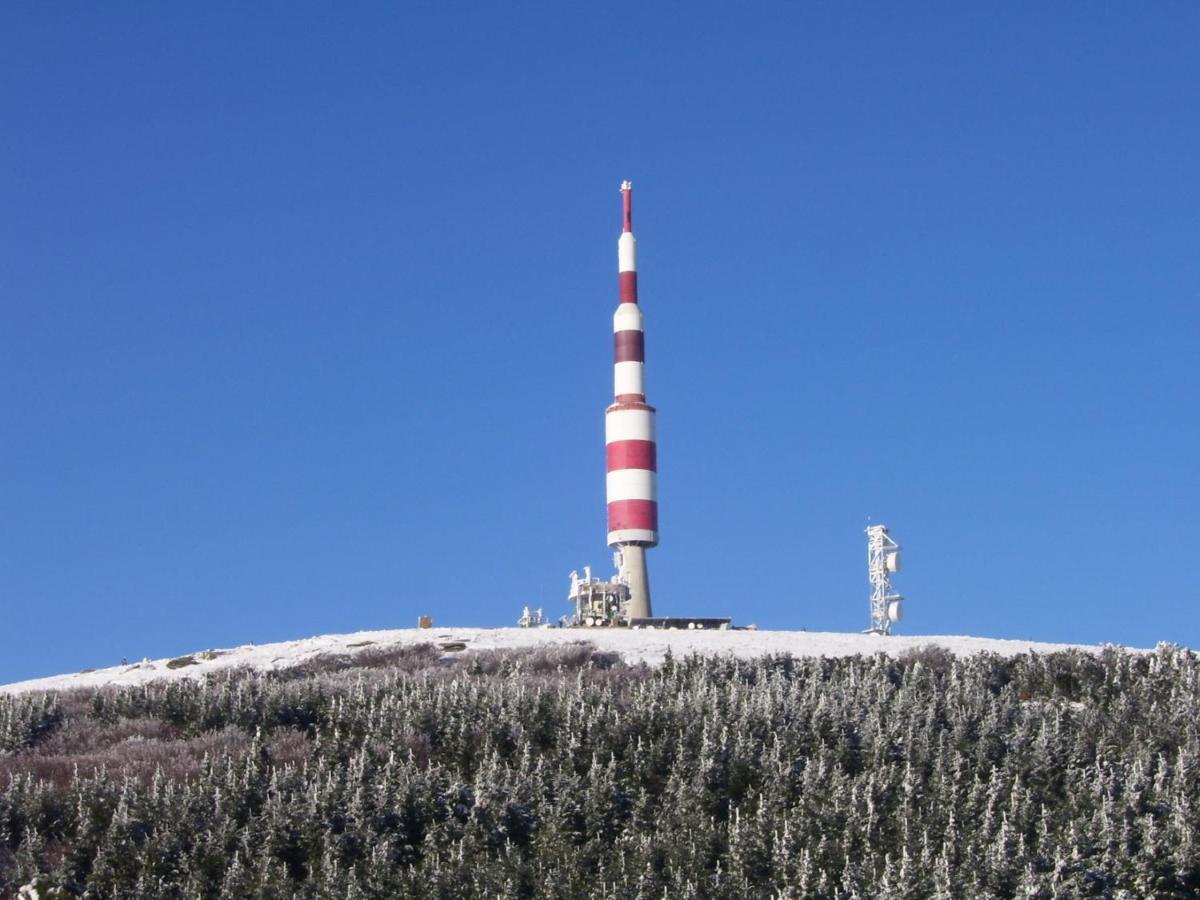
(634, 646)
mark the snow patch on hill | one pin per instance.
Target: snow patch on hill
(634, 646)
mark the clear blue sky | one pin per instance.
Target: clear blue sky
(306, 314)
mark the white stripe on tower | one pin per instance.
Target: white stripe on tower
(632, 484)
(628, 423)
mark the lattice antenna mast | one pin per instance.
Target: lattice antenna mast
(883, 560)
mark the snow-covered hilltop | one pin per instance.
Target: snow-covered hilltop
(633, 646)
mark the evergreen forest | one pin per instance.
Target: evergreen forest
(562, 772)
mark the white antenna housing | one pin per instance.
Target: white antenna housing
(883, 559)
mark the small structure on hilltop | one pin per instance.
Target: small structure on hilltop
(531, 619)
(883, 560)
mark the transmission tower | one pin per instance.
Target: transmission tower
(883, 560)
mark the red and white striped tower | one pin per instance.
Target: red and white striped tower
(629, 432)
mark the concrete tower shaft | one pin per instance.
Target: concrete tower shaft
(632, 481)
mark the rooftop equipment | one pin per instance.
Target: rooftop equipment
(598, 604)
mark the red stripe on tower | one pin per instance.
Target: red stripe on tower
(633, 455)
(630, 346)
(627, 282)
(633, 515)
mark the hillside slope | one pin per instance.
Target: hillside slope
(560, 772)
(633, 646)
